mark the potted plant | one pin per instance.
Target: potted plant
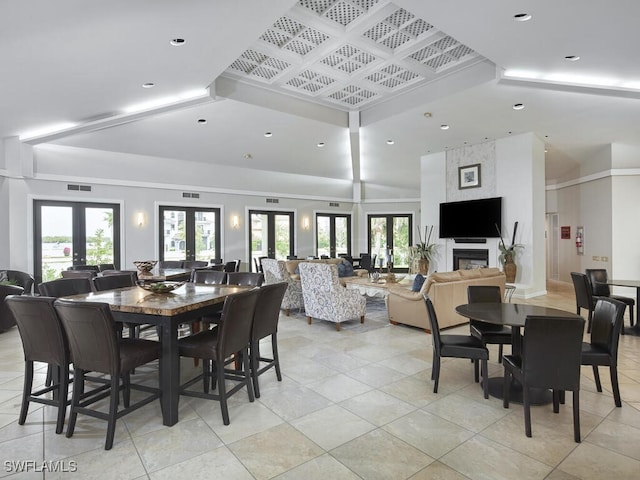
(508, 254)
(424, 251)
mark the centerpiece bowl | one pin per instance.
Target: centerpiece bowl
(161, 287)
(145, 266)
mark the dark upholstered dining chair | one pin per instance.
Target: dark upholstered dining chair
(602, 350)
(6, 318)
(487, 332)
(22, 279)
(218, 346)
(95, 347)
(550, 360)
(456, 346)
(265, 324)
(43, 340)
(189, 264)
(111, 282)
(211, 277)
(106, 266)
(63, 287)
(598, 278)
(584, 296)
(170, 264)
(251, 279)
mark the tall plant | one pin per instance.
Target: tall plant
(425, 249)
(508, 251)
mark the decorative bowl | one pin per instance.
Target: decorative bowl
(161, 287)
(145, 266)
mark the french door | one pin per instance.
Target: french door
(189, 233)
(390, 238)
(333, 234)
(74, 233)
(271, 235)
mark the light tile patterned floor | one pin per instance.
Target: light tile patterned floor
(352, 404)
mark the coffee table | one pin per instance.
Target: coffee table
(366, 287)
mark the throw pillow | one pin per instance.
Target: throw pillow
(4, 276)
(345, 269)
(418, 281)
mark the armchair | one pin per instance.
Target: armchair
(326, 298)
(275, 272)
(22, 279)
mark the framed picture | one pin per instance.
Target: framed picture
(469, 176)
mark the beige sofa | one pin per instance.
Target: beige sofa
(292, 265)
(447, 290)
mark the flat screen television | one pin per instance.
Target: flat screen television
(471, 218)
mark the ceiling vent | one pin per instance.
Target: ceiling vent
(273, 200)
(79, 188)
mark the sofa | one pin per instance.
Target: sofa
(446, 290)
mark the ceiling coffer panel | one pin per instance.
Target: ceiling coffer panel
(294, 36)
(443, 53)
(342, 12)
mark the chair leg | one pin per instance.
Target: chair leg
(476, 374)
(596, 377)
(206, 375)
(78, 389)
(500, 353)
(276, 357)
(126, 390)
(49, 379)
(309, 320)
(113, 410)
(435, 373)
(338, 326)
(63, 393)
(506, 387)
(254, 353)
(556, 401)
(222, 392)
(527, 410)
(485, 379)
(26, 390)
(576, 416)
(589, 317)
(433, 365)
(247, 373)
(631, 322)
(613, 370)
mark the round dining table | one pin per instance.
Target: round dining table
(513, 315)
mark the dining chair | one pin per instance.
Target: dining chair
(219, 347)
(21, 279)
(132, 273)
(63, 287)
(258, 263)
(106, 266)
(92, 268)
(95, 347)
(598, 278)
(232, 266)
(584, 296)
(251, 279)
(79, 274)
(488, 333)
(210, 277)
(170, 264)
(6, 318)
(215, 261)
(111, 282)
(456, 346)
(43, 340)
(265, 324)
(550, 359)
(608, 319)
(189, 264)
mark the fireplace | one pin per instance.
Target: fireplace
(468, 259)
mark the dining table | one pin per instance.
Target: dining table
(166, 311)
(513, 315)
(165, 274)
(635, 329)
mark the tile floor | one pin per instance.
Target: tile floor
(352, 404)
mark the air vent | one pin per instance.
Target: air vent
(190, 195)
(334, 204)
(273, 200)
(79, 188)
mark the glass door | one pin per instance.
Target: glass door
(271, 235)
(189, 233)
(333, 235)
(74, 233)
(390, 238)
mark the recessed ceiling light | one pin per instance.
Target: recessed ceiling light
(176, 42)
(148, 85)
(572, 58)
(427, 114)
(248, 156)
(522, 17)
(390, 142)
(320, 144)
(268, 134)
(444, 127)
(518, 106)
(202, 120)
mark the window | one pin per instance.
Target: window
(333, 234)
(189, 233)
(390, 238)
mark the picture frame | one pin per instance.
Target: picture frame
(469, 176)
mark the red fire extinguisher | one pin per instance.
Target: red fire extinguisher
(579, 241)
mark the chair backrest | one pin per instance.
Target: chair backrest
(23, 279)
(598, 279)
(607, 322)
(132, 273)
(365, 261)
(484, 294)
(215, 261)
(267, 314)
(273, 273)
(318, 278)
(6, 317)
(194, 264)
(551, 352)
(91, 333)
(245, 278)
(92, 268)
(433, 321)
(236, 322)
(63, 287)
(170, 264)
(232, 266)
(43, 338)
(292, 257)
(212, 277)
(111, 282)
(582, 288)
(106, 266)
(78, 274)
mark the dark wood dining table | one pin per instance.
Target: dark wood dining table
(634, 330)
(513, 315)
(167, 311)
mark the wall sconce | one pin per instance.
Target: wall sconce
(235, 221)
(305, 223)
(140, 219)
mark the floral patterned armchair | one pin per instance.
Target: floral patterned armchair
(325, 298)
(274, 272)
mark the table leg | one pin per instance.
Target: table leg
(635, 330)
(169, 372)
